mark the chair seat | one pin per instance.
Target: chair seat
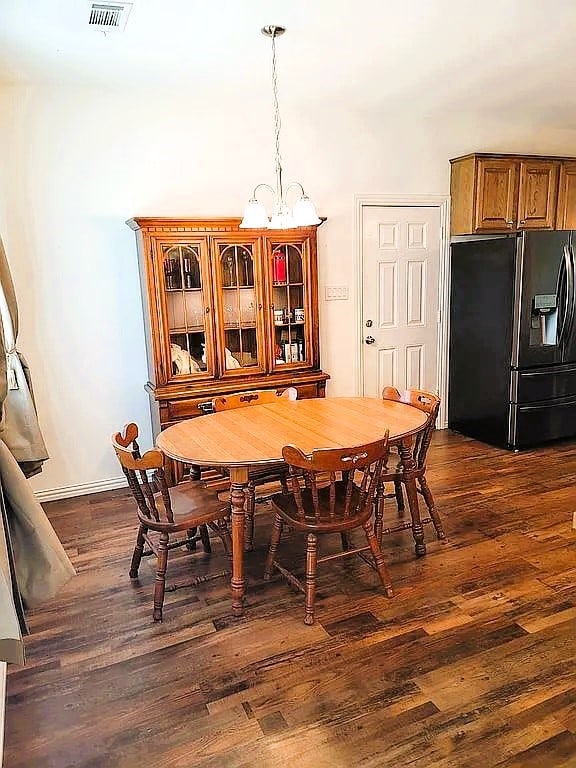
(285, 505)
(192, 504)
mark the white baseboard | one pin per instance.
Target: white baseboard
(68, 491)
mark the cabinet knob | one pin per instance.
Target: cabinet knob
(522, 222)
(509, 222)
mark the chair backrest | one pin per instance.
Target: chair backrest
(257, 397)
(424, 401)
(147, 491)
(360, 469)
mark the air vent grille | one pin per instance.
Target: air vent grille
(109, 16)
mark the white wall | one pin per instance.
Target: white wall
(75, 164)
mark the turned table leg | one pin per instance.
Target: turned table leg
(239, 481)
(409, 473)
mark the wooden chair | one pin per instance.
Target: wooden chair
(337, 505)
(429, 403)
(272, 472)
(188, 507)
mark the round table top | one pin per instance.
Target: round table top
(256, 434)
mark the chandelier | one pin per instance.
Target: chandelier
(303, 214)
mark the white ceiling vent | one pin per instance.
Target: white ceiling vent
(109, 17)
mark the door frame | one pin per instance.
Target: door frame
(442, 202)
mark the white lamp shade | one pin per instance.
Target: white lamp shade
(254, 216)
(281, 218)
(304, 213)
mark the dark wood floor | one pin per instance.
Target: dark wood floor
(472, 663)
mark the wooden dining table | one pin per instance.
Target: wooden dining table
(253, 437)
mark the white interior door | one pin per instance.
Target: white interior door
(400, 289)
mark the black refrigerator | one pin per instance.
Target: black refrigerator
(512, 375)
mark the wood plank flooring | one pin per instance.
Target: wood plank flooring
(472, 663)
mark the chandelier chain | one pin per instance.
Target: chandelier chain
(303, 213)
(277, 121)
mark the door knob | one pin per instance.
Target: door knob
(369, 340)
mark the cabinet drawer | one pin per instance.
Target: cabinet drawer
(185, 409)
(307, 391)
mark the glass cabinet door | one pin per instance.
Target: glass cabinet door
(290, 305)
(239, 289)
(185, 282)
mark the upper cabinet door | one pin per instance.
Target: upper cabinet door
(496, 195)
(566, 218)
(538, 194)
(236, 264)
(291, 302)
(182, 274)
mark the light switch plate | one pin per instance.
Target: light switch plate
(336, 292)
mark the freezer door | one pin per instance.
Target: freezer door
(535, 423)
(543, 383)
(544, 289)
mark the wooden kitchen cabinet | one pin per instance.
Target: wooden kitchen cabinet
(226, 310)
(566, 217)
(505, 193)
(538, 194)
(496, 199)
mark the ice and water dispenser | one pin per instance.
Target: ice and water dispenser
(543, 320)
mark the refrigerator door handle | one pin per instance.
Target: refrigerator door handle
(546, 406)
(565, 280)
(571, 291)
(547, 371)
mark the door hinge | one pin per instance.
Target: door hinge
(439, 317)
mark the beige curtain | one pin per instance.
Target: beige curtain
(19, 427)
(41, 564)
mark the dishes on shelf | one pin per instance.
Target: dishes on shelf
(182, 360)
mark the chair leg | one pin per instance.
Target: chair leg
(250, 506)
(378, 558)
(224, 533)
(138, 549)
(191, 536)
(429, 499)
(205, 539)
(274, 541)
(160, 584)
(379, 511)
(399, 497)
(310, 592)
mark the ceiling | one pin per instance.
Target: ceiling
(509, 59)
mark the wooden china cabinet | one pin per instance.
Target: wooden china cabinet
(226, 310)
